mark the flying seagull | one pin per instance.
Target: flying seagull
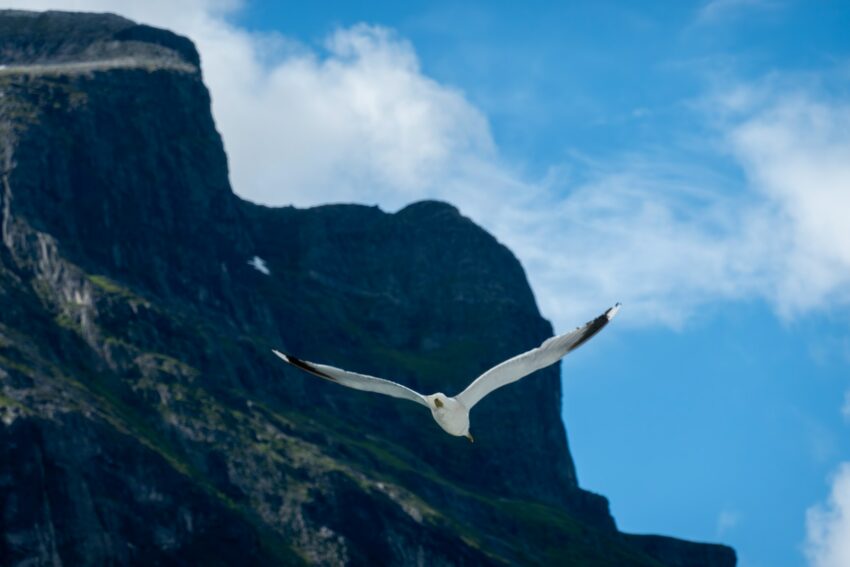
(452, 413)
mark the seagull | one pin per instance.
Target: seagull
(452, 413)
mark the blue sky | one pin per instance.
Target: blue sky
(691, 159)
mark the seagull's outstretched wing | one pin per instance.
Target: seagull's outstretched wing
(551, 351)
(354, 380)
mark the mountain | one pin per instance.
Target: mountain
(143, 419)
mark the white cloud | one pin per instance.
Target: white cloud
(357, 120)
(845, 409)
(828, 526)
(795, 154)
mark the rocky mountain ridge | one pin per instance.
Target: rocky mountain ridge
(143, 417)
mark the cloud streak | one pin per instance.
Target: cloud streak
(714, 11)
(845, 408)
(727, 521)
(356, 120)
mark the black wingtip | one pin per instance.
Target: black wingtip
(305, 366)
(613, 310)
(596, 325)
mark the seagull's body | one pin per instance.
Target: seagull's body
(452, 413)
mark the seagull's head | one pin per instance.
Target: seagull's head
(439, 401)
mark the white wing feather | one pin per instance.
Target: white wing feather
(354, 380)
(550, 352)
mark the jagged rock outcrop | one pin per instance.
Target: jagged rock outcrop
(143, 417)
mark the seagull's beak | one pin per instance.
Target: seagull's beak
(469, 436)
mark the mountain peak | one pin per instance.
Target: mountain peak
(68, 38)
(428, 207)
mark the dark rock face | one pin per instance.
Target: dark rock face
(144, 419)
(80, 493)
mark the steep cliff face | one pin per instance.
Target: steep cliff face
(143, 418)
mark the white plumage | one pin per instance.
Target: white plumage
(452, 413)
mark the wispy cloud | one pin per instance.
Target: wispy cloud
(714, 11)
(356, 119)
(727, 520)
(828, 525)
